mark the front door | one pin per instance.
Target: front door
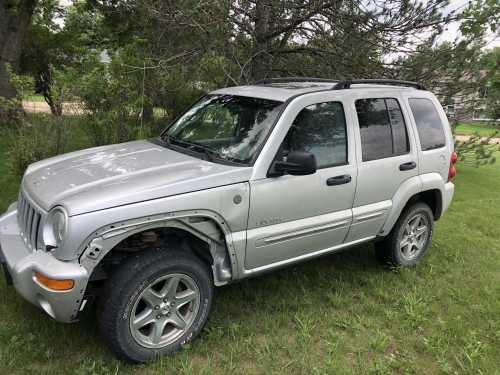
(295, 216)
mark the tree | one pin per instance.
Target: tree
(490, 63)
(160, 45)
(15, 19)
(51, 48)
(342, 37)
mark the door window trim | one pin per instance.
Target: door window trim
(405, 122)
(332, 165)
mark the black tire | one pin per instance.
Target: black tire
(389, 251)
(125, 288)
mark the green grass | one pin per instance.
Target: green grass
(341, 314)
(32, 97)
(483, 129)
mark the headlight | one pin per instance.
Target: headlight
(59, 225)
(55, 227)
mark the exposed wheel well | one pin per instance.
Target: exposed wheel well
(432, 198)
(200, 237)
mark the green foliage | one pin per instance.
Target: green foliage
(480, 17)
(478, 148)
(33, 141)
(490, 63)
(112, 103)
(476, 152)
(12, 106)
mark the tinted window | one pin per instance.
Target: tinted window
(382, 128)
(399, 134)
(321, 130)
(429, 125)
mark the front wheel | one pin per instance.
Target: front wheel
(155, 303)
(409, 239)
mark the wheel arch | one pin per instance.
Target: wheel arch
(196, 226)
(425, 188)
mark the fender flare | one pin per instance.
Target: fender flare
(407, 190)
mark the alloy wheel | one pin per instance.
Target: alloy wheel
(415, 236)
(164, 310)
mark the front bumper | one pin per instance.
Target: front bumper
(20, 264)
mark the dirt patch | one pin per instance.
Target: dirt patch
(465, 138)
(70, 108)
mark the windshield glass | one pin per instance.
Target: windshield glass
(225, 126)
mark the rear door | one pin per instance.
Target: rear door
(387, 157)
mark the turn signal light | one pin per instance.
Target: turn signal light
(54, 284)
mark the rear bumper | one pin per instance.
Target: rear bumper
(449, 190)
(20, 264)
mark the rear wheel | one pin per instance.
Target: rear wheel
(409, 239)
(155, 303)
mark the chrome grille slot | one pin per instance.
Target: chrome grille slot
(29, 219)
(25, 215)
(36, 227)
(29, 223)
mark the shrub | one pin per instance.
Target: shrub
(30, 141)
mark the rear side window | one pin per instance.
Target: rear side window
(382, 128)
(429, 124)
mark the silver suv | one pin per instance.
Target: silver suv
(249, 179)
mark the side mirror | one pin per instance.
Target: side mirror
(298, 163)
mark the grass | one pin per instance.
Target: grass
(483, 129)
(341, 314)
(33, 97)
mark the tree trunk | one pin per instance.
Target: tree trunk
(261, 62)
(15, 19)
(147, 113)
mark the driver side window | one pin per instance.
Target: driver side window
(321, 130)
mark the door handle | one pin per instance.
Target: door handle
(407, 166)
(339, 180)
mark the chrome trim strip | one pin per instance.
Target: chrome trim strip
(300, 233)
(369, 216)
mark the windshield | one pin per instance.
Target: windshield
(225, 127)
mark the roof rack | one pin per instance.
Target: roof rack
(341, 84)
(268, 81)
(346, 84)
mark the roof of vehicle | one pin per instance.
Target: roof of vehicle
(281, 89)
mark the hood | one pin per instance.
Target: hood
(115, 175)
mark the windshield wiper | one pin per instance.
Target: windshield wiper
(209, 154)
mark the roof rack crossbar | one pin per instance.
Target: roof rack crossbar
(268, 81)
(346, 84)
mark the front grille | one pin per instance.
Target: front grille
(29, 218)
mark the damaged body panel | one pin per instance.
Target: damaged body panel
(204, 225)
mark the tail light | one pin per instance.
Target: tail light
(452, 172)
